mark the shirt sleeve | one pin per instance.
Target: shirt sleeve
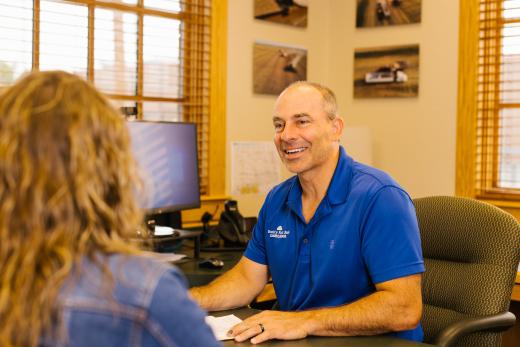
(391, 244)
(255, 250)
(174, 318)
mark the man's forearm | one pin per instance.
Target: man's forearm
(221, 294)
(236, 288)
(374, 314)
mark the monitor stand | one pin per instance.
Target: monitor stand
(172, 220)
(168, 219)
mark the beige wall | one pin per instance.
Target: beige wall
(413, 139)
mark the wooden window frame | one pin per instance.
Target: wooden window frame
(212, 200)
(466, 165)
(140, 11)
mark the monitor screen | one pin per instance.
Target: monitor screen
(166, 154)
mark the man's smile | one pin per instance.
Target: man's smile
(295, 150)
(293, 153)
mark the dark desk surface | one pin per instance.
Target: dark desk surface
(317, 341)
(198, 276)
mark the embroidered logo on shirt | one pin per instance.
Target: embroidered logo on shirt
(279, 233)
(332, 244)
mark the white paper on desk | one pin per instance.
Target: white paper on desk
(166, 257)
(221, 325)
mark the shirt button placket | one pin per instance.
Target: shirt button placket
(305, 244)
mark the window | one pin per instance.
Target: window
(153, 58)
(488, 151)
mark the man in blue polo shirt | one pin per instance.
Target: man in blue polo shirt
(340, 239)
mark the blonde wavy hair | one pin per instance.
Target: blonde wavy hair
(67, 188)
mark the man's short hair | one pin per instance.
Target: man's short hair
(330, 105)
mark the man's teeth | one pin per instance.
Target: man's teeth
(292, 151)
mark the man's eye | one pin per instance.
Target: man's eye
(303, 122)
(278, 126)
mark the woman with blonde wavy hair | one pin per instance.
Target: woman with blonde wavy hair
(68, 276)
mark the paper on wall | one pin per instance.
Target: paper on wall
(255, 167)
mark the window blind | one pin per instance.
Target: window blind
(497, 171)
(150, 57)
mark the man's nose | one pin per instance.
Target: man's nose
(288, 133)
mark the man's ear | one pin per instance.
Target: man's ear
(337, 128)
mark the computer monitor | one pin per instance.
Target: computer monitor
(166, 154)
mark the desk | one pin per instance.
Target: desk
(197, 276)
(317, 341)
(167, 243)
(200, 276)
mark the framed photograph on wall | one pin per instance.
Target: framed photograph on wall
(385, 72)
(289, 12)
(276, 66)
(375, 13)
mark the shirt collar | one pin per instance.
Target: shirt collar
(339, 186)
(294, 195)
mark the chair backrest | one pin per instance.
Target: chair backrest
(471, 251)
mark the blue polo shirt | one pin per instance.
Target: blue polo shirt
(363, 232)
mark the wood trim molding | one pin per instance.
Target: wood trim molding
(36, 35)
(139, 8)
(509, 206)
(515, 296)
(91, 47)
(213, 202)
(465, 180)
(218, 125)
(467, 94)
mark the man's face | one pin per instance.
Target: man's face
(304, 135)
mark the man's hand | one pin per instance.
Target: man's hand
(269, 325)
(396, 305)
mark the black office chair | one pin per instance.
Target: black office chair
(471, 251)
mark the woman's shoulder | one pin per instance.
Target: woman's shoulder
(151, 293)
(131, 279)
(139, 267)
(141, 275)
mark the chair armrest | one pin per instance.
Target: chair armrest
(499, 322)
